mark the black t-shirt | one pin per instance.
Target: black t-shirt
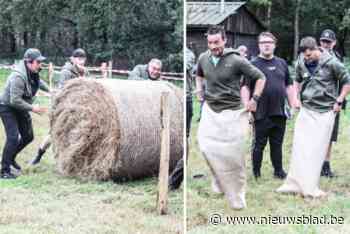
(273, 98)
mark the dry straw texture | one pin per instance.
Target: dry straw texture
(110, 129)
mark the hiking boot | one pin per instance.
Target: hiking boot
(256, 174)
(326, 170)
(281, 174)
(38, 157)
(7, 175)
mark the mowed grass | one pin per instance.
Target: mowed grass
(262, 201)
(42, 201)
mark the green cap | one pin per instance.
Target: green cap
(33, 54)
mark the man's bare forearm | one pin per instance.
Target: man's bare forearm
(291, 94)
(199, 83)
(259, 87)
(245, 94)
(344, 92)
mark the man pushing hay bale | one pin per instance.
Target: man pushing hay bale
(110, 129)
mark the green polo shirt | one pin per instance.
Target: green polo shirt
(320, 89)
(223, 78)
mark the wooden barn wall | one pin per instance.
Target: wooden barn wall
(242, 22)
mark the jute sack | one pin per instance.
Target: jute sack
(222, 140)
(312, 135)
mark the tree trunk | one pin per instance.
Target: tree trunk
(296, 29)
(341, 43)
(13, 46)
(268, 21)
(25, 39)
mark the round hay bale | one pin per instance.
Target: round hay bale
(111, 129)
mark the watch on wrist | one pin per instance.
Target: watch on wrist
(256, 98)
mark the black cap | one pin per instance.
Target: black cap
(328, 35)
(32, 54)
(79, 53)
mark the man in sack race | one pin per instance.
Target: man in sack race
(224, 125)
(317, 74)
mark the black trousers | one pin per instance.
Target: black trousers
(335, 131)
(270, 129)
(177, 174)
(19, 133)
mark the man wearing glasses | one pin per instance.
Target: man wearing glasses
(16, 101)
(74, 68)
(270, 116)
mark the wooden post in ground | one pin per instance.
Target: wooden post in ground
(104, 70)
(164, 154)
(51, 71)
(110, 67)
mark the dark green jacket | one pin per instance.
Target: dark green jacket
(140, 72)
(224, 79)
(190, 62)
(20, 89)
(69, 71)
(320, 90)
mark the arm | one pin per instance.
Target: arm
(291, 95)
(291, 87)
(253, 74)
(135, 74)
(43, 86)
(343, 76)
(17, 87)
(65, 75)
(199, 82)
(245, 96)
(199, 88)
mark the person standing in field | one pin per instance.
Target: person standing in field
(328, 41)
(317, 75)
(16, 103)
(270, 117)
(224, 126)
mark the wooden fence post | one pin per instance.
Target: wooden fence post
(164, 154)
(104, 70)
(51, 71)
(110, 67)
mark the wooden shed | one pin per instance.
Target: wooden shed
(242, 27)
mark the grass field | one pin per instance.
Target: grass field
(261, 198)
(42, 202)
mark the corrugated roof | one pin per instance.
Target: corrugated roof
(208, 13)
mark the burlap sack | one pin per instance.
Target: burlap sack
(222, 137)
(312, 135)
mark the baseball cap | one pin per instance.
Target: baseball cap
(32, 54)
(328, 35)
(79, 53)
